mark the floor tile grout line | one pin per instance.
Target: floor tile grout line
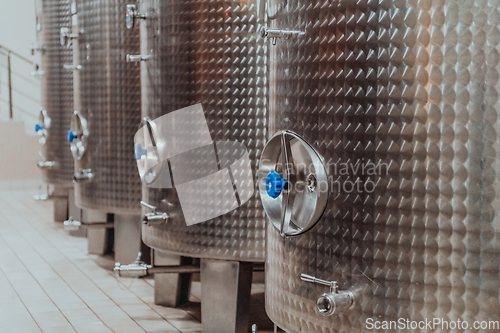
(34, 278)
(97, 316)
(68, 238)
(118, 282)
(20, 299)
(139, 298)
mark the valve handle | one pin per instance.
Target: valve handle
(38, 128)
(71, 136)
(139, 152)
(274, 184)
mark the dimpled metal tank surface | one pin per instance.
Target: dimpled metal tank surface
(109, 95)
(57, 92)
(207, 52)
(411, 87)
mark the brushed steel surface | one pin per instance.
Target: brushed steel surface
(414, 85)
(207, 52)
(56, 89)
(109, 99)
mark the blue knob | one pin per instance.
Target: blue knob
(139, 152)
(71, 136)
(38, 127)
(274, 184)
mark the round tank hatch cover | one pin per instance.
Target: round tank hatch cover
(293, 183)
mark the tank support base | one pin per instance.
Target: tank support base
(59, 197)
(98, 239)
(75, 213)
(172, 289)
(225, 296)
(128, 240)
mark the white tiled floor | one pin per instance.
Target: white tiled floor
(48, 282)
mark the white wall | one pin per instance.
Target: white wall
(17, 32)
(18, 151)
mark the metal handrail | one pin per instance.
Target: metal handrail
(8, 52)
(27, 79)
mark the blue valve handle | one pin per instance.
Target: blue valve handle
(71, 136)
(274, 184)
(38, 128)
(139, 152)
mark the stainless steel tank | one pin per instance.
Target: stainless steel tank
(55, 162)
(108, 110)
(387, 114)
(208, 53)
(109, 90)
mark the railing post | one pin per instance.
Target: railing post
(9, 69)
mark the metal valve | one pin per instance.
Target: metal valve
(37, 72)
(34, 48)
(72, 225)
(67, 36)
(154, 217)
(85, 174)
(135, 270)
(137, 58)
(334, 302)
(72, 67)
(133, 15)
(277, 33)
(139, 269)
(46, 165)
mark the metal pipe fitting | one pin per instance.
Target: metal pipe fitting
(72, 67)
(83, 175)
(134, 270)
(73, 225)
(139, 269)
(46, 165)
(137, 58)
(154, 217)
(278, 33)
(330, 304)
(132, 16)
(34, 48)
(66, 36)
(335, 301)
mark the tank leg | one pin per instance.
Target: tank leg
(75, 213)
(171, 290)
(225, 296)
(128, 240)
(97, 238)
(60, 200)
